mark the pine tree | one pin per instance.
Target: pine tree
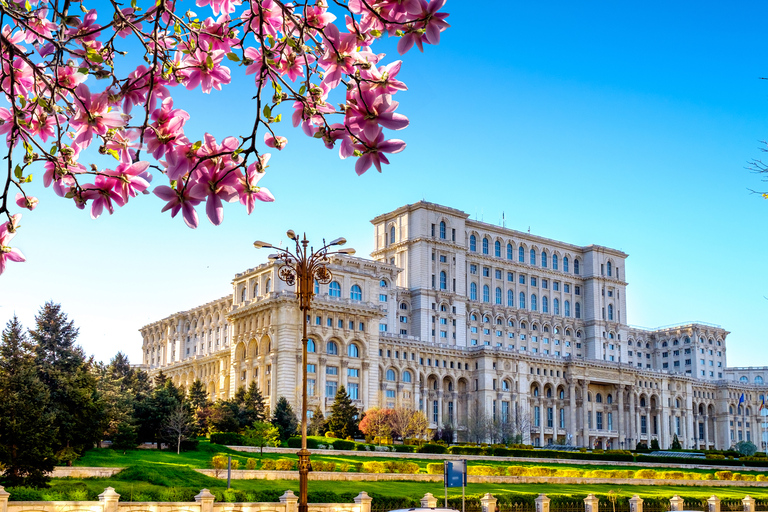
(285, 419)
(317, 423)
(344, 414)
(198, 396)
(74, 401)
(256, 401)
(27, 433)
(676, 443)
(153, 412)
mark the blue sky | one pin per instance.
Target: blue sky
(629, 126)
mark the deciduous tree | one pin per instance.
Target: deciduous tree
(262, 434)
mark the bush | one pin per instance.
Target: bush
(231, 438)
(219, 462)
(331, 434)
(340, 444)
(435, 469)
(645, 473)
(516, 471)
(284, 465)
(468, 450)
(268, 465)
(323, 466)
(395, 466)
(762, 478)
(235, 463)
(723, 475)
(295, 442)
(715, 456)
(569, 473)
(374, 467)
(25, 494)
(404, 448)
(345, 467)
(250, 463)
(433, 448)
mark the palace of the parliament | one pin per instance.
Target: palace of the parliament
(462, 319)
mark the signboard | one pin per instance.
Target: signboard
(455, 473)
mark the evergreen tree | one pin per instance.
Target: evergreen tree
(27, 432)
(255, 401)
(344, 414)
(316, 425)
(153, 412)
(285, 419)
(224, 417)
(655, 444)
(676, 443)
(198, 396)
(74, 401)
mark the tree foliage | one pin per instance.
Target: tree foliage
(284, 419)
(344, 414)
(262, 434)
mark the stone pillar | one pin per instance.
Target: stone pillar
(676, 503)
(428, 501)
(706, 433)
(620, 427)
(108, 499)
(591, 503)
(585, 414)
(636, 504)
(713, 504)
(664, 439)
(488, 503)
(205, 499)
(572, 411)
(364, 501)
(749, 503)
(291, 501)
(632, 423)
(542, 420)
(542, 503)
(4, 495)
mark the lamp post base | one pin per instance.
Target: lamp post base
(304, 466)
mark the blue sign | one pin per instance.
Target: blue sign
(455, 473)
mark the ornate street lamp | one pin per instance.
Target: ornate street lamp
(302, 268)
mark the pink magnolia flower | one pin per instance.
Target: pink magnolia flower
(179, 161)
(92, 116)
(88, 30)
(339, 56)
(435, 21)
(218, 35)
(276, 142)
(205, 69)
(181, 198)
(220, 6)
(168, 129)
(130, 16)
(60, 172)
(247, 188)
(268, 21)
(69, 77)
(129, 179)
(384, 78)
(28, 202)
(292, 64)
(317, 16)
(367, 111)
(44, 125)
(102, 194)
(125, 142)
(39, 27)
(216, 179)
(7, 253)
(371, 150)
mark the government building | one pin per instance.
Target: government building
(468, 321)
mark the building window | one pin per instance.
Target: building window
(334, 289)
(510, 251)
(311, 387)
(331, 387)
(485, 245)
(521, 254)
(355, 293)
(544, 259)
(532, 259)
(310, 345)
(473, 243)
(522, 300)
(442, 230)
(576, 266)
(332, 349)
(510, 298)
(407, 376)
(353, 351)
(472, 291)
(268, 287)
(536, 416)
(556, 306)
(610, 311)
(544, 305)
(498, 295)
(554, 262)
(567, 308)
(497, 249)
(486, 293)
(391, 375)
(608, 266)
(578, 310)
(354, 391)
(533, 302)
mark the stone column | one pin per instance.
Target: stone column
(488, 503)
(108, 499)
(664, 434)
(290, 500)
(585, 414)
(428, 501)
(205, 499)
(631, 417)
(676, 503)
(636, 504)
(572, 411)
(749, 503)
(620, 392)
(542, 420)
(364, 501)
(4, 495)
(542, 503)
(591, 503)
(713, 504)
(439, 407)
(706, 432)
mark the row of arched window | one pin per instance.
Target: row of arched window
(244, 290)
(544, 259)
(332, 348)
(758, 379)
(392, 376)
(534, 304)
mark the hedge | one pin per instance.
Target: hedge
(230, 438)
(295, 442)
(433, 448)
(340, 444)
(727, 462)
(404, 448)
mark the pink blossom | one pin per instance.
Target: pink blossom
(220, 6)
(292, 64)
(39, 27)
(69, 77)
(44, 125)
(205, 69)
(384, 78)
(60, 172)
(339, 56)
(125, 142)
(179, 161)
(272, 20)
(7, 253)
(371, 150)
(317, 16)
(92, 116)
(102, 194)
(129, 179)
(28, 202)
(130, 17)
(181, 198)
(247, 188)
(276, 142)
(435, 21)
(168, 129)
(367, 111)
(217, 35)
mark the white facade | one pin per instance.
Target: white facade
(454, 316)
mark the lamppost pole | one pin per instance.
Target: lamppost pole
(302, 268)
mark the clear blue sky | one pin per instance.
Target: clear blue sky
(628, 126)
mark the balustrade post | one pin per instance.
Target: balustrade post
(636, 504)
(364, 501)
(676, 503)
(290, 500)
(428, 501)
(4, 495)
(488, 502)
(713, 504)
(749, 503)
(542, 503)
(205, 499)
(109, 499)
(591, 503)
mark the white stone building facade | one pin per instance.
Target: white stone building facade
(460, 318)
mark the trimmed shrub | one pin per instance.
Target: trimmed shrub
(540, 471)
(235, 464)
(570, 473)
(404, 448)
(324, 466)
(250, 463)
(723, 475)
(374, 467)
(468, 450)
(340, 444)
(480, 470)
(268, 465)
(645, 473)
(295, 442)
(345, 467)
(409, 468)
(331, 434)
(435, 469)
(219, 462)
(284, 465)
(231, 438)
(516, 471)
(432, 448)
(762, 478)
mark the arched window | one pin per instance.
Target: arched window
(473, 243)
(565, 263)
(554, 262)
(390, 374)
(407, 376)
(576, 266)
(521, 254)
(544, 304)
(533, 302)
(608, 267)
(443, 280)
(353, 351)
(255, 290)
(486, 293)
(485, 245)
(522, 300)
(404, 306)
(610, 311)
(730, 409)
(472, 291)
(677, 403)
(561, 396)
(532, 259)
(392, 235)
(642, 401)
(743, 379)
(523, 324)
(567, 306)
(243, 294)
(383, 283)
(498, 295)
(510, 299)
(536, 391)
(497, 249)
(758, 380)
(578, 310)
(609, 399)
(505, 385)
(556, 306)
(355, 293)
(549, 392)
(331, 348)
(442, 230)
(268, 287)
(310, 345)
(510, 252)
(544, 259)
(334, 289)
(473, 317)
(317, 287)
(599, 398)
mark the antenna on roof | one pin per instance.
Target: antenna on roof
(503, 220)
(529, 230)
